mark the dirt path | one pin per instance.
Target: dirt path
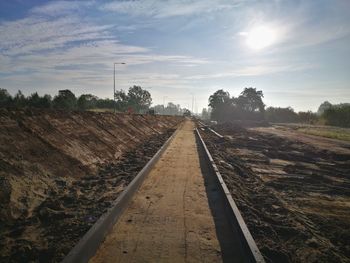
(170, 218)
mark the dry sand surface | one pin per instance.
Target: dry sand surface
(170, 218)
(59, 171)
(293, 191)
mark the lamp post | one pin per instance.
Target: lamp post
(115, 63)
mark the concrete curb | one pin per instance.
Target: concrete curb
(235, 216)
(90, 242)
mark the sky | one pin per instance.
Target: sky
(296, 52)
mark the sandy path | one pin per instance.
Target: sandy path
(170, 218)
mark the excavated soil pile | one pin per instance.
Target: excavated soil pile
(60, 171)
(294, 196)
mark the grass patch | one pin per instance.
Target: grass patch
(339, 134)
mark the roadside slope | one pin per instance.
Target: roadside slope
(54, 163)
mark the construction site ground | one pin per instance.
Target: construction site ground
(172, 218)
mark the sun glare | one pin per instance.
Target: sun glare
(260, 37)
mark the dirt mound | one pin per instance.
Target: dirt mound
(59, 171)
(294, 196)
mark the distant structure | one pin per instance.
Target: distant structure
(64, 92)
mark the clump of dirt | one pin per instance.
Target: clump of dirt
(61, 171)
(294, 197)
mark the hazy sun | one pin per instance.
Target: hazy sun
(260, 37)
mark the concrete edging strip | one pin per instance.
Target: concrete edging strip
(246, 236)
(90, 242)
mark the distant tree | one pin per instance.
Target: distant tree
(139, 99)
(36, 101)
(248, 106)
(205, 114)
(122, 100)
(87, 101)
(65, 100)
(170, 109)
(273, 114)
(324, 106)
(307, 117)
(5, 98)
(46, 101)
(219, 98)
(105, 104)
(187, 113)
(251, 104)
(337, 116)
(221, 105)
(19, 100)
(159, 109)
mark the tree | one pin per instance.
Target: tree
(248, 105)
(250, 100)
(5, 98)
(324, 106)
(218, 98)
(221, 105)
(337, 115)
(187, 113)
(19, 101)
(121, 100)
(307, 117)
(139, 99)
(277, 114)
(105, 104)
(46, 101)
(65, 100)
(87, 101)
(35, 101)
(205, 114)
(170, 109)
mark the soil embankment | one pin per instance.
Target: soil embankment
(60, 171)
(293, 194)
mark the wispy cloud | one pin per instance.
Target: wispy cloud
(168, 8)
(251, 71)
(38, 42)
(37, 34)
(56, 8)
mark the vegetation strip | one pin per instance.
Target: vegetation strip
(90, 242)
(254, 252)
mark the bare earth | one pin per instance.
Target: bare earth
(292, 189)
(60, 171)
(169, 219)
(317, 141)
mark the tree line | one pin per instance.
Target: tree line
(249, 105)
(170, 109)
(136, 100)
